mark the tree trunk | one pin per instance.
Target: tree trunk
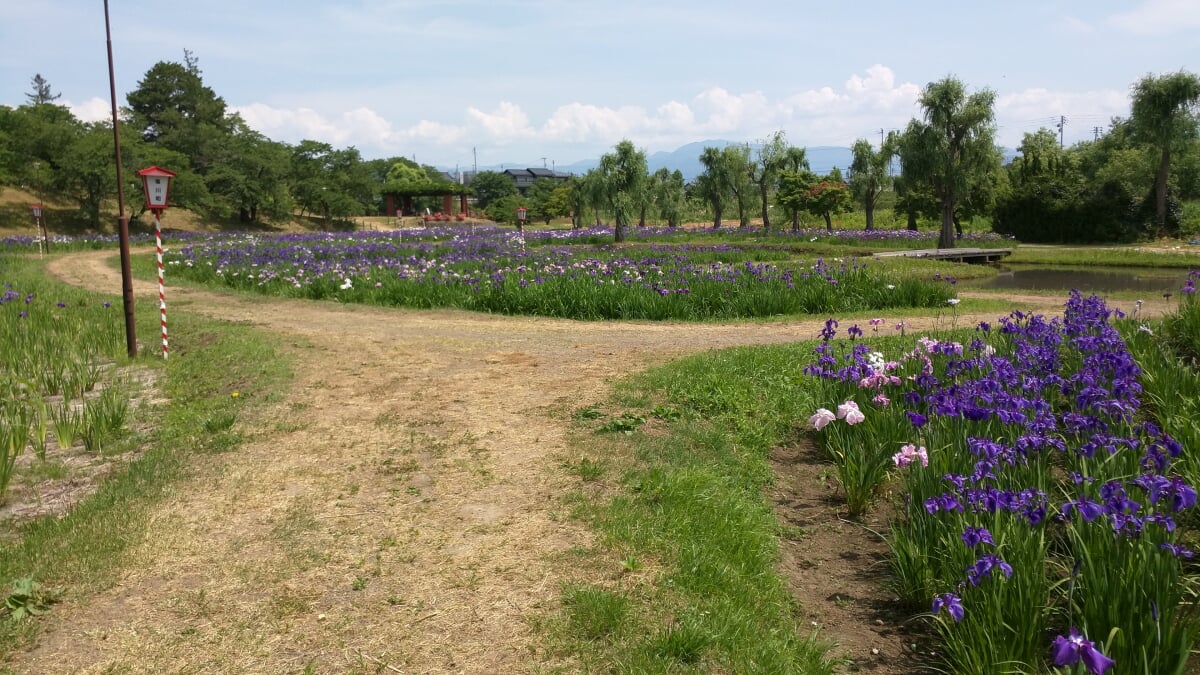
(828, 222)
(642, 218)
(1160, 190)
(743, 221)
(912, 221)
(870, 207)
(957, 227)
(795, 221)
(946, 238)
(619, 235)
(766, 216)
(716, 214)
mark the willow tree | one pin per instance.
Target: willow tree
(624, 179)
(1164, 114)
(953, 146)
(869, 175)
(714, 184)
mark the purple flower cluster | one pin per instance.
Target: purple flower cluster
(1028, 401)
(490, 258)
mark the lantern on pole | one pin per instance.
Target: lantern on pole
(521, 213)
(37, 219)
(157, 184)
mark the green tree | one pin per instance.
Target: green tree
(737, 162)
(591, 191)
(828, 196)
(251, 177)
(669, 195)
(87, 175)
(624, 179)
(490, 186)
(504, 209)
(41, 91)
(793, 194)
(769, 161)
(172, 107)
(1164, 115)
(715, 183)
(955, 141)
(869, 175)
(577, 200)
(332, 183)
(542, 203)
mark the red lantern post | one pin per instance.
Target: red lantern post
(521, 213)
(157, 184)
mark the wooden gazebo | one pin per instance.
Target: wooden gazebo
(446, 191)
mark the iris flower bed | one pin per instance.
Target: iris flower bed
(495, 270)
(1042, 506)
(55, 351)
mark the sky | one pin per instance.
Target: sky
(546, 82)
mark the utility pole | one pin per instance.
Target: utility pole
(1062, 125)
(1096, 133)
(543, 162)
(881, 139)
(475, 162)
(122, 219)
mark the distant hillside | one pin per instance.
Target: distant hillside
(821, 158)
(687, 159)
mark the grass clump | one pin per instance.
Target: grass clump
(81, 552)
(683, 503)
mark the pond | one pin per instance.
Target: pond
(1085, 279)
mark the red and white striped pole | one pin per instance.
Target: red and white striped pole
(162, 298)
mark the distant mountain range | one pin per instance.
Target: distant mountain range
(821, 159)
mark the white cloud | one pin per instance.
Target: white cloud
(507, 123)
(92, 110)
(864, 103)
(1027, 111)
(1159, 17)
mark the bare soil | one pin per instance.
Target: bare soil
(401, 509)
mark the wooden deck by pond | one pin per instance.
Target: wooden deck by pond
(968, 255)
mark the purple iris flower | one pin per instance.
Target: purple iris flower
(1088, 509)
(1178, 551)
(917, 419)
(974, 536)
(1074, 648)
(952, 603)
(983, 568)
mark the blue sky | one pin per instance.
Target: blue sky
(519, 80)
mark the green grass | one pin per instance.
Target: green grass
(1103, 256)
(689, 499)
(83, 552)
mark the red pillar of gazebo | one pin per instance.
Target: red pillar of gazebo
(447, 205)
(462, 204)
(391, 205)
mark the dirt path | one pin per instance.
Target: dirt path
(400, 506)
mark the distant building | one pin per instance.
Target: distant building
(523, 178)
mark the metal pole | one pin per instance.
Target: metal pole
(122, 219)
(45, 230)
